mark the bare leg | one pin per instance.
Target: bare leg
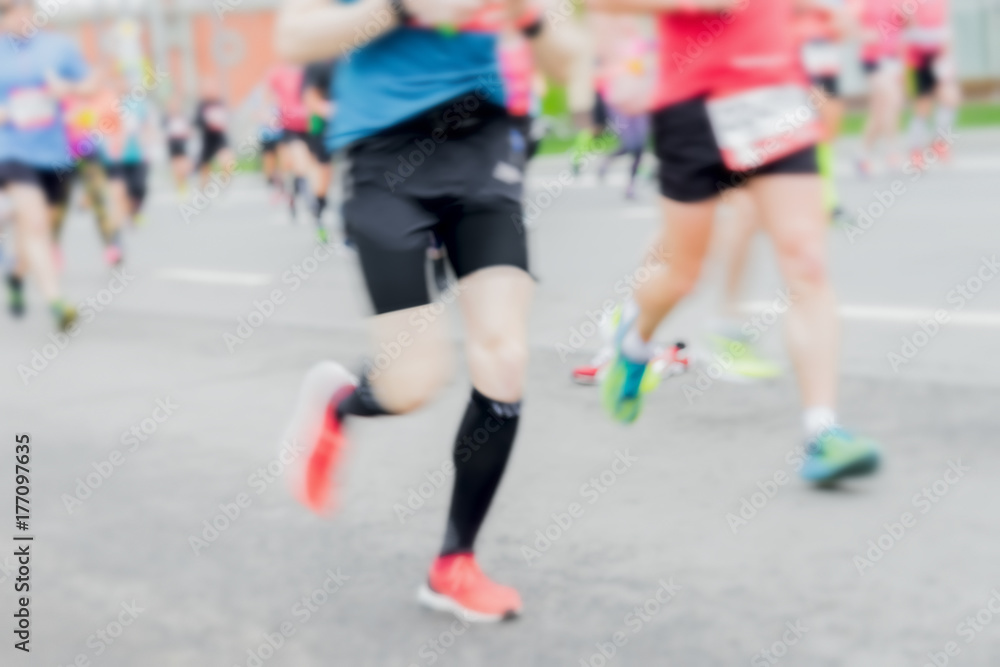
(421, 368)
(687, 231)
(736, 249)
(495, 303)
(791, 211)
(32, 217)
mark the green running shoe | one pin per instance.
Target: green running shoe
(322, 236)
(65, 315)
(837, 454)
(746, 363)
(15, 291)
(622, 389)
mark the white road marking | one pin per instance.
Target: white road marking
(981, 318)
(210, 277)
(639, 212)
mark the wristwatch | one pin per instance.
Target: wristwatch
(399, 9)
(531, 23)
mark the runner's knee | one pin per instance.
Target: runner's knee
(804, 261)
(502, 359)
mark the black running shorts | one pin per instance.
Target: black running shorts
(691, 166)
(828, 83)
(53, 183)
(134, 174)
(456, 171)
(317, 146)
(925, 79)
(176, 147)
(212, 143)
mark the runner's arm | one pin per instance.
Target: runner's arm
(310, 30)
(314, 102)
(663, 6)
(558, 49)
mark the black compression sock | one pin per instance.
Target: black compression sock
(298, 185)
(319, 205)
(361, 402)
(482, 448)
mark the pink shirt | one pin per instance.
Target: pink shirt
(707, 53)
(882, 23)
(931, 14)
(285, 82)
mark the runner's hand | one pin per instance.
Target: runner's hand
(443, 12)
(517, 9)
(716, 5)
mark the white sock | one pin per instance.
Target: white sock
(917, 132)
(944, 119)
(635, 348)
(816, 420)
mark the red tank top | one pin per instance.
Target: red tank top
(708, 53)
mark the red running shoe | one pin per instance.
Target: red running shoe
(457, 585)
(316, 436)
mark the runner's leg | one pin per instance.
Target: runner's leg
(791, 213)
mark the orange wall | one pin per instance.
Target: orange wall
(252, 33)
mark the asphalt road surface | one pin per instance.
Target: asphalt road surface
(698, 548)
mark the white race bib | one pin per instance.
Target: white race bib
(758, 126)
(31, 109)
(928, 36)
(177, 127)
(821, 57)
(215, 116)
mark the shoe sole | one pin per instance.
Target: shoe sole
(445, 604)
(859, 468)
(320, 384)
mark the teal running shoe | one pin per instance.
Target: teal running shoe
(837, 454)
(622, 389)
(743, 363)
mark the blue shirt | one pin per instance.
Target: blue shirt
(34, 132)
(406, 72)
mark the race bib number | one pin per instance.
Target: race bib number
(928, 36)
(32, 109)
(758, 126)
(177, 127)
(821, 58)
(215, 117)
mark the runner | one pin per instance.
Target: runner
(721, 119)
(820, 28)
(627, 70)
(212, 119)
(82, 129)
(269, 133)
(317, 88)
(929, 52)
(178, 131)
(123, 151)
(285, 82)
(432, 98)
(38, 71)
(881, 57)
